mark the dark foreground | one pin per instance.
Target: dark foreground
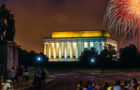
(69, 80)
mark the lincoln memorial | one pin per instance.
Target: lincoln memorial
(68, 46)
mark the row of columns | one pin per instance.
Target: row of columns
(70, 49)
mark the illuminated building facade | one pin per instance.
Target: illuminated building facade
(67, 46)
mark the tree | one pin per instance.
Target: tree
(44, 62)
(129, 57)
(108, 56)
(86, 56)
(30, 58)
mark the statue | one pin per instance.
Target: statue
(7, 24)
(10, 30)
(2, 29)
(7, 33)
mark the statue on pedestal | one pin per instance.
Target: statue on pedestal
(8, 48)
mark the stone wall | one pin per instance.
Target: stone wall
(8, 55)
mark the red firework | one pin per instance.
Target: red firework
(123, 17)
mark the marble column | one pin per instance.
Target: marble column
(89, 45)
(57, 52)
(54, 50)
(76, 49)
(49, 47)
(103, 45)
(71, 50)
(94, 45)
(45, 49)
(99, 47)
(60, 50)
(63, 49)
(65, 45)
(83, 46)
(80, 47)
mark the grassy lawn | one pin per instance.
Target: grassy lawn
(94, 70)
(107, 70)
(70, 66)
(99, 70)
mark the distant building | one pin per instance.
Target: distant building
(67, 46)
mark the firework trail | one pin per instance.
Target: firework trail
(123, 18)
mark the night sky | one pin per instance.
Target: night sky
(36, 19)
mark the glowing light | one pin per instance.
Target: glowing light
(92, 60)
(123, 18)
(80, 34)
(39, 59)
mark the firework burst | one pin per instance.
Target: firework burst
(123, 18)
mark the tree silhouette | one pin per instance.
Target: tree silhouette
(30, 58)
(108, 56)
(129, 57)
(86, 56)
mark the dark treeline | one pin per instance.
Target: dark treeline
(30, 58)
(127, 57)
(108, 57)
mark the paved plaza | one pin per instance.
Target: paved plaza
(69, 80)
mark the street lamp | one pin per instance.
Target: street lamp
(92, 60)
(39, 60)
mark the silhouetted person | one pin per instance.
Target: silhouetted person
(80, 86)
(43, 76)
(26, 75)
(13, 75)
(134, 80)
(35, 76)
(117, 86)
(20, 76)
(106, 85)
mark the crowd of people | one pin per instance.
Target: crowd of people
(20, 76)
(118, 85)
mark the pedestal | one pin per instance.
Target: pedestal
(8, 55)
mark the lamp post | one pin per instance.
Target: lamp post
(92, 60)
(39, 60)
